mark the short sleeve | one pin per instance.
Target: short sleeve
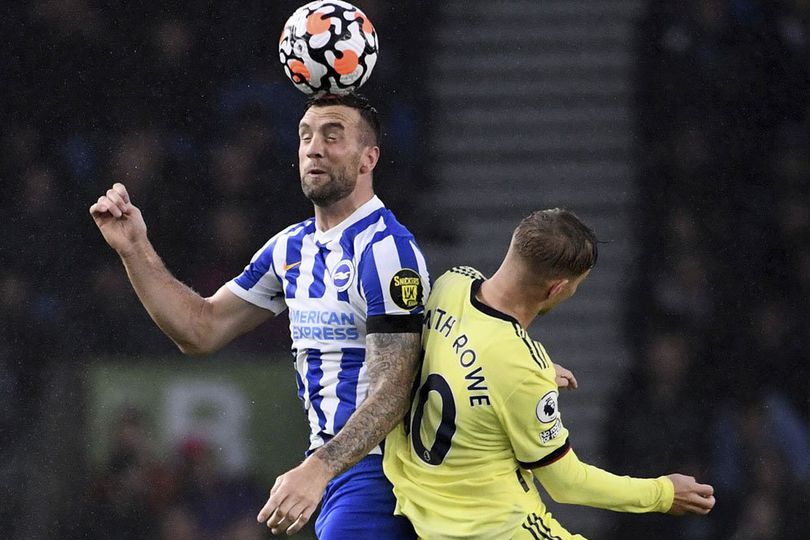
(259, 283)
(394, 277)
(531, 419)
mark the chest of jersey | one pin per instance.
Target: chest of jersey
(323, 297)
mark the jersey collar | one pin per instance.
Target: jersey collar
(485, 309)
(325, 237)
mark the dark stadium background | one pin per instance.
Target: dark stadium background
(107, 432)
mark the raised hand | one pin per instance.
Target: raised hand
(119, 221)
(690, 496)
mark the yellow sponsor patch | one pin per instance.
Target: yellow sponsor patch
(406, 289)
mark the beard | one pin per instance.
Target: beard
(339, 184)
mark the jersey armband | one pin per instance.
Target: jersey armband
(394, 324)
(556, 455)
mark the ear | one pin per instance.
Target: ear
(371, 155)
(556, 287)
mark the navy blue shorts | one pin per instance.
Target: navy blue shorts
(359, 505)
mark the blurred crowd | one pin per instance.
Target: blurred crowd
(719, 313)
(139, 493)
(187, 105)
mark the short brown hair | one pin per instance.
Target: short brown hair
(356, 101)
(555, 243)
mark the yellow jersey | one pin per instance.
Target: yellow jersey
(484, 413)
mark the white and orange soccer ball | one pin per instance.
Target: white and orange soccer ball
(328, 47)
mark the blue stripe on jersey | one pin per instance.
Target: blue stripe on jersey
(350, 364)
(407, 257)
(294, 255)
(257, 269)
(314, 378)
(300, 384)
(317, 288)
(367, 275)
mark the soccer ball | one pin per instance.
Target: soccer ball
(328, 47)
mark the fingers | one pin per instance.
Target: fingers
(704, 490)
(699, 505)
(289, 520)
(566, 381)
(286, 518)
(115, 202)
(267, 510)
(302, 520)
(691, 496)
(119, 188)
(105, 205)
(572, 381)
(116, 198)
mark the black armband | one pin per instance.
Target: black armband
(394, 324)
(556, 455)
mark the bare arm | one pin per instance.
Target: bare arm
(392, 364)
(197, 325)
(392, 361)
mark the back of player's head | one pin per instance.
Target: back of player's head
(356, 101)
(555, 244)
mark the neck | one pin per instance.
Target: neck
(508, 295)
(327, 217)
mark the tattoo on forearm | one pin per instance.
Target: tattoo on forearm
(392, 361)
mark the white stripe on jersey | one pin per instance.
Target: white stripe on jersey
(307, 258)
(387, 266)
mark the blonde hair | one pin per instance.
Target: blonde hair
(554, 243)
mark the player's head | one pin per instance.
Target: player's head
(553, 251)
(338, 146)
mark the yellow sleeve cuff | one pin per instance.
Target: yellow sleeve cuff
(667, 494)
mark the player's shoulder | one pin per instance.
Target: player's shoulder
(301, 228)
(458, 276)
(306, 226)
(376, 230)
(468, 272)
(295, 230)
(521, 356)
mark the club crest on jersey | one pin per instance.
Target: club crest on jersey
(546, 409)
(406, 289)
(343, 275)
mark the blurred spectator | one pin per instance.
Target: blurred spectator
(722, 103)
(662, 390)
(760, 466)
(123, 498)
(216, 502)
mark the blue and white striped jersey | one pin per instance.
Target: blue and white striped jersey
(337, 283)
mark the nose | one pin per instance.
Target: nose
(315, 147)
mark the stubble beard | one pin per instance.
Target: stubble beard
(340, 185)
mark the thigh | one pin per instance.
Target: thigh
(360, 505)
(541, 526)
